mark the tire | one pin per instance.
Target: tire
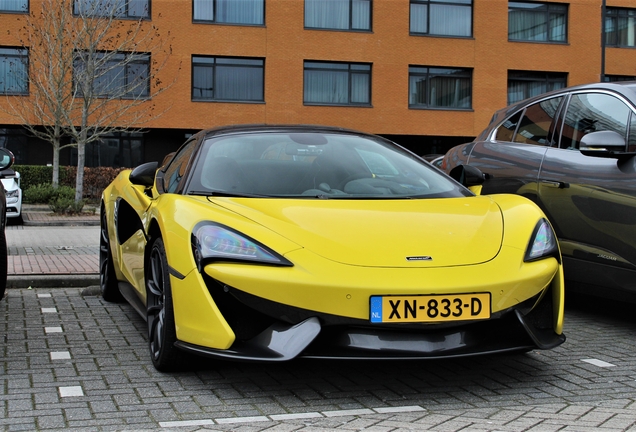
(3, 263)
(160, 312)
(107, 277)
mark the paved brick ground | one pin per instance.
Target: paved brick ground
(71, 361)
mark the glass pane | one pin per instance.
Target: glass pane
(239, 83)
(14, 5)
(202, 82)
(450, 92)
(450, 20)
(534, 126)
(361, 15)
(13, 71)
(326, 87)
(593, 112)
(240, 11)
(204, 10)
(527, 25)
(330, 14)
(558, 27)
(360, 86)
(417, 90)
(419, 18)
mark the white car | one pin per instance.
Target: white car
(11, 182)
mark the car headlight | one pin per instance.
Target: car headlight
(12, 196)
(215, 242)
(543, 242)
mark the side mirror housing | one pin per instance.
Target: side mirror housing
(607, 144)
(468, 176)
(6, 158)
(144, 174)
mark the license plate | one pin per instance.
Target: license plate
(431, 308)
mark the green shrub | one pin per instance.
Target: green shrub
(45, 193)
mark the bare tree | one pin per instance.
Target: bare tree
(46, 37)
(91, 73)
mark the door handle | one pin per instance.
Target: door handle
(556, 184)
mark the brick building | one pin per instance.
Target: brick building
(426, 73)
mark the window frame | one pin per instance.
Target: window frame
(462, 3)
(22, 54)
(128, 96)
(549, 12)
(125, 16)
(24, 10)
(615, 14)
(350, 73)
(214, 67)
(350, 24)
(428, 75)
(215, 21)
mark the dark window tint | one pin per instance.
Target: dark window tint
(592, 112)
(620, 27)
(522, 84)
(337, 83)
(228, 79)
(442, 17)
(116, 150)
(246, 12)
(440, 88)
(534, 127)
(176, 169)
(537, 22)
(631, 141)
(14, 68)
(338, 14)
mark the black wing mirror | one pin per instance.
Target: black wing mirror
(144, 174)
(6, 158)
(468, 175)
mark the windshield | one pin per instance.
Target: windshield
(314, 165)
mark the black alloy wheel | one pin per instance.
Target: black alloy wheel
(107, 277)
(160, 313)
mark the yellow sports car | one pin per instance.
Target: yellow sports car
(271, 242)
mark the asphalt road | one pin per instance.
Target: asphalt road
(72, 361)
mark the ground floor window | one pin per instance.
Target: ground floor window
(524, 84)
(116, 150)
(433, 87)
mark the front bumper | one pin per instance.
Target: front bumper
(268, 331)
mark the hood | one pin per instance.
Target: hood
(384, 233)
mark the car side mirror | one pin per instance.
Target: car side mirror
(144, 174)
(468, 175)
(607, 144)
(6, 158)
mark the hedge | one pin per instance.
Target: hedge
(95, 178)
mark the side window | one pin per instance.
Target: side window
(593, 112)
(174, 173)
(506, 131)
(535, 126)
(631, 140)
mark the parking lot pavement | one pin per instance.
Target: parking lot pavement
(72, 361)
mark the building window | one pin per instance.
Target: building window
(14, 66)
(338, 14)
(620, 27)
(537, 22)
(116, 150)
(618, 78)
(432, 87)
(113, 8)
(337, 83)
(14, 5)
(228, 79)
(246, 12)
(522, 85)
(117, 76)
(442, 17)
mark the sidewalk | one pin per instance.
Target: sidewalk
(50, 250)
